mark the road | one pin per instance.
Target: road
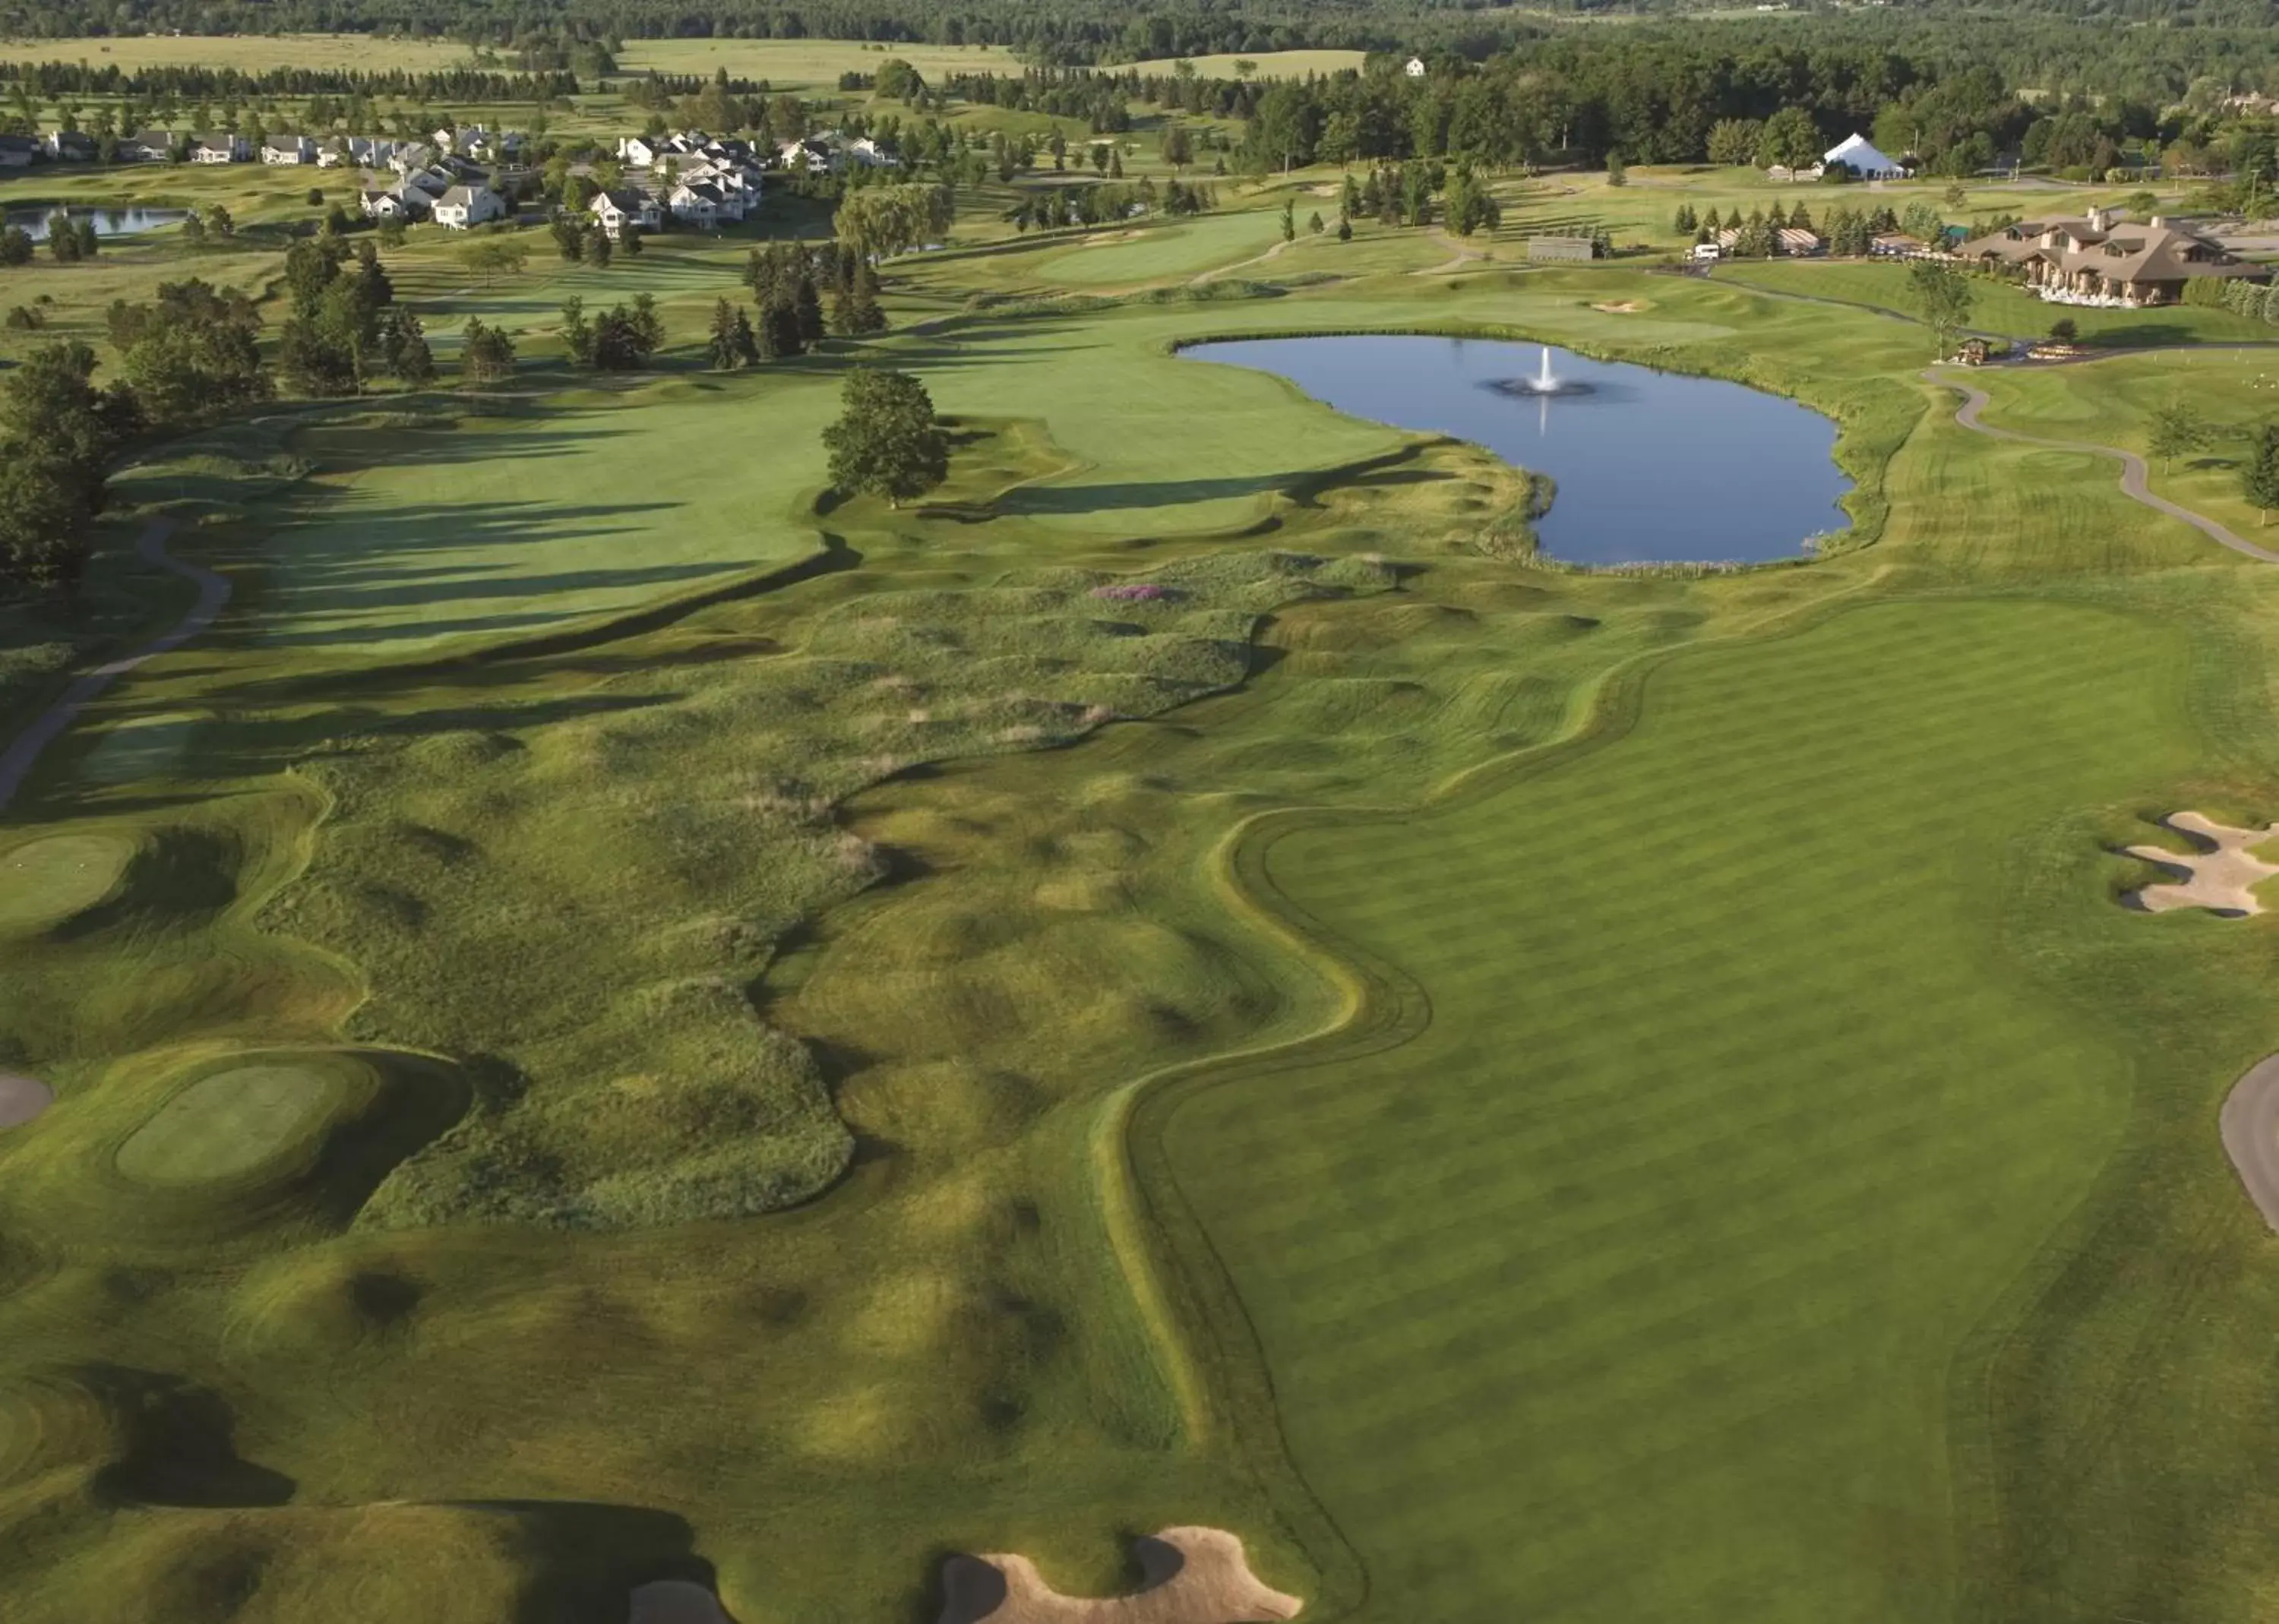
(24, 751)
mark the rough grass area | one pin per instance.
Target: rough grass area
(637, 1083)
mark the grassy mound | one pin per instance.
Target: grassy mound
(47, 881)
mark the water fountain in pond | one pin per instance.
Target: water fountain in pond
(1543, 386)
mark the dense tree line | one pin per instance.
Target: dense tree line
(53, 81)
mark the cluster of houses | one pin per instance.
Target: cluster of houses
(463, 177)
(444, 180)
(702, 180)
(473, 144)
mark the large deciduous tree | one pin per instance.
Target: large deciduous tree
(1942, 296)
(887, 443)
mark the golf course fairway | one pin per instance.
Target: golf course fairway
(1631, 1285)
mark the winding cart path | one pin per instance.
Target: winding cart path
(2134, 474)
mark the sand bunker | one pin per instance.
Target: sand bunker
(1188, 1577)
(2220, 878)
(675, 1601)
(1620, 307)
(22, 1099)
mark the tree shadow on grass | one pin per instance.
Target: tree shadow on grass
(1035, 499)
(2140, 336)
(176, 1444)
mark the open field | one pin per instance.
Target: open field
(250, 53)
(581, 1061)
(807, 65)
(1270, 64)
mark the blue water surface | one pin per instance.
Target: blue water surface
(1651, 467)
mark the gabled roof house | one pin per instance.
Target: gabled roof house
(2101, 258)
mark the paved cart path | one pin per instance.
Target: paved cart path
(2133, 472)
(24, 751)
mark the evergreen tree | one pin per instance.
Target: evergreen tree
(807, 308)
(486, 355)
(577, 331)
(2260, 479)
(731, 344)
(599, 250)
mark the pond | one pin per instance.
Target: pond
(1651, 467)
(124, 221)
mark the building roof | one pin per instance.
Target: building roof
(2117, 250)
(460, 196)
(1857, 152)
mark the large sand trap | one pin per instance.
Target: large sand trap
(1188, 1577)
(2222, 878)
(675, 1601)
(22, 1099)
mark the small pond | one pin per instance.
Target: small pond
(1651, 467)
(124, 221)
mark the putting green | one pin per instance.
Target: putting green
(1634, 1283)
(48, 881)
(231, 1123)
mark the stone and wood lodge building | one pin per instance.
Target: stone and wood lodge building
(2102, 258)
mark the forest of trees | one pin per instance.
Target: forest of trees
(2050, 43)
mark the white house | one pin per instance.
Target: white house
(639, 151)
(289, 150)
(146, 147)
(410, 204)
(1414, 67)
(464, 206)
(71, 147)
(221, 150)
(478, 141)
(832, 153)
(1857, 154)
(613, 211)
